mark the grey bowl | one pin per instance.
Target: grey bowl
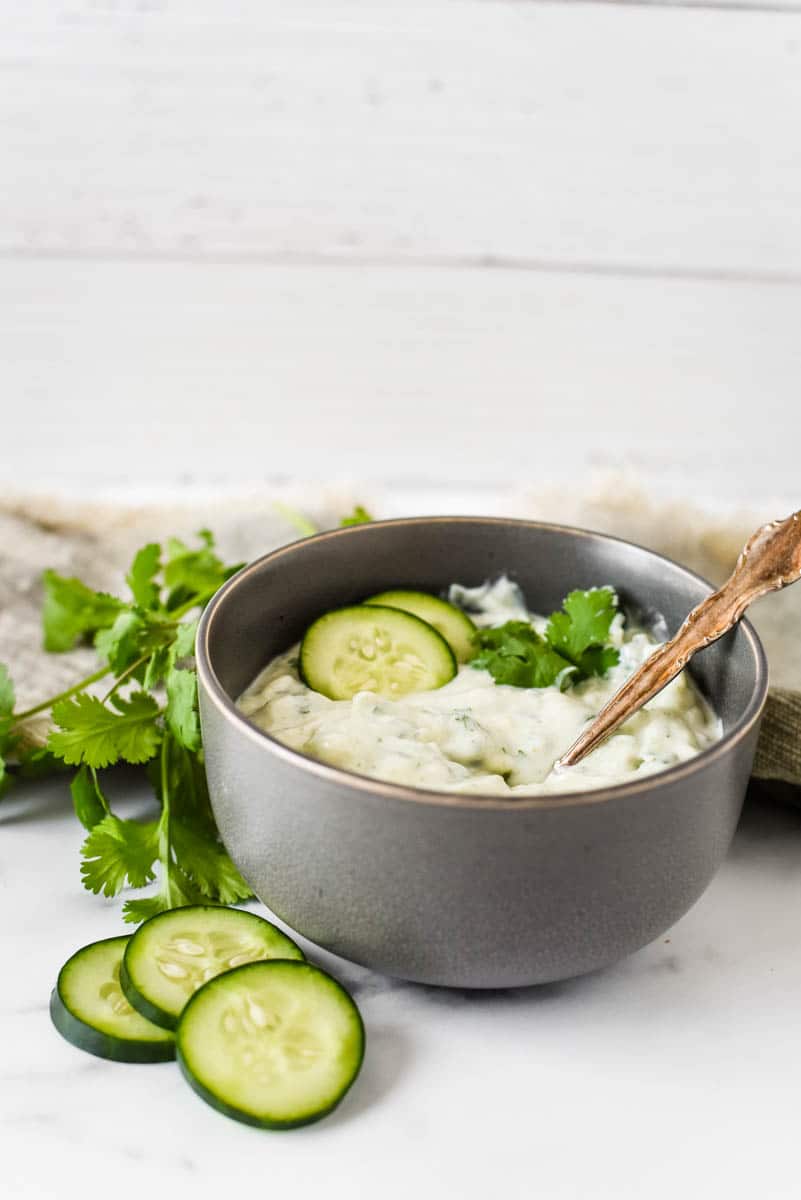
(466, 891)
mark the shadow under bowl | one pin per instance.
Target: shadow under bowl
(466, 891)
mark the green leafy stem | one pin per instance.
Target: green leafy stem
(147, 717)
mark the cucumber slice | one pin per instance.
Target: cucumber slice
(89, 1009)
(273, 1044)
(176, 952)
(369, 648)
(454, 625)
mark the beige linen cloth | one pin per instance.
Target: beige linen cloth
(95, 542)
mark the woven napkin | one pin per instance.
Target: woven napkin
(96, 541)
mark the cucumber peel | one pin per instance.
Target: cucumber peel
(373, 648)
(89, 1009)
(273, 1044)
(454, 625)
(176, 952)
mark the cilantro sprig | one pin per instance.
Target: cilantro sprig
(148, 717)
(359, 516)
(573, 647)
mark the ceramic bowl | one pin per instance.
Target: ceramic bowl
(466, 891)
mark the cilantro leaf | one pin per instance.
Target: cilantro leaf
(184, 644)
(157, 666)
(206, 863)
(72, 611)
(35, 762)
(194, 574)
(117, 852)
(164, 658)
(142, 909)
(359, 516)
(512, 638)
(174, 891)
(194, 865)
(515, 654)
(90, 732)
(573, 648)
(582, 628)
(141, 577)
(119, 643)
(181, 713)
(597, 661)
(143, 640)
(187, 788)
(90, 804)
(135, 635)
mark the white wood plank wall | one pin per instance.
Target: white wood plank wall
(461, 239)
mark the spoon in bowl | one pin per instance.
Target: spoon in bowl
(770, 559)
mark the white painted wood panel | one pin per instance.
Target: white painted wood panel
(145, 372)
(621, 137)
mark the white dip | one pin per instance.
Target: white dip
(474, 735)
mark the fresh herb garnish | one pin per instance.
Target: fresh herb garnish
(72, 611)
(573, 648)
(148, 716)
(98, 735)
(359, 516)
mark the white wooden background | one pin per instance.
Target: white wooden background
(468, 241)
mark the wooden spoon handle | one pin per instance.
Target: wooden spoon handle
(770, 559)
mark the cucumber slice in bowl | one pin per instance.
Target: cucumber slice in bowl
(454, 625)
(274, 1044)
(176, 952)
(89, 1009)
(371, 648)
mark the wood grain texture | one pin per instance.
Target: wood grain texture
(136, 372)
(460, 240)
(610, 137)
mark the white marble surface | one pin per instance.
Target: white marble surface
(673, 1073)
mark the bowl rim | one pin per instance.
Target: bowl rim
(489, 801)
